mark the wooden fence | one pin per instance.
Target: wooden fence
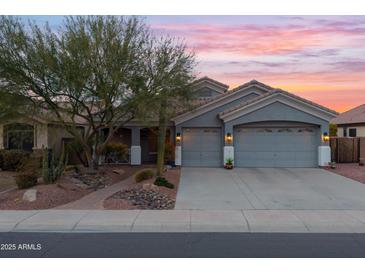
(347, 149)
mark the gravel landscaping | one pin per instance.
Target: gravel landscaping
(146, 195)
(351, 170)
(145, 199)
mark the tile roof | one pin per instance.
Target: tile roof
(201, 102)
(206, 78)
(251, 83)
(352, 116)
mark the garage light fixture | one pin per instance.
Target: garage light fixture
(178, 137)
(325, 137)
(229, 138)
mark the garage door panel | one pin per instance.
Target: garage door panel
(202, 147)
(276, 147)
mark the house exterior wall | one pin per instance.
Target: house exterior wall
(360, 130)
(40, 132)
(55, 135)
(278, 112)
(206, 92)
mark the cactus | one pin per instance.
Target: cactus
(52, 169)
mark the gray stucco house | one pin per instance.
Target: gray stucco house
(254, 124)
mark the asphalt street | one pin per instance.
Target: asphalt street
(185, 245)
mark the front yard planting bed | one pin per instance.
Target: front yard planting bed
(351, 170)
(70, 187)
(146, 195)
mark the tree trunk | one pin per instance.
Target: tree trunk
(161, 139)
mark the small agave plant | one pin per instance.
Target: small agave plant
(229, 163)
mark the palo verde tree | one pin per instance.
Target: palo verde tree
(170, 74)
(13, 106)
(85, 76)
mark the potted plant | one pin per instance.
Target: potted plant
(229, 163)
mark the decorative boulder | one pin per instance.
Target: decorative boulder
(30, 195)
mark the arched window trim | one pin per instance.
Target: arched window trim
(23, 133)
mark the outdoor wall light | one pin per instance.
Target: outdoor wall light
(229, 138)
(325, 137)
(178, 137)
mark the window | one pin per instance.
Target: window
(344, 132)
(352, 132)
(19, 136)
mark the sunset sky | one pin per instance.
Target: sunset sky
(321, 58)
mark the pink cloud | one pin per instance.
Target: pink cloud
(321, 60)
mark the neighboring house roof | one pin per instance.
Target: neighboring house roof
(352, 116)
(272, 93)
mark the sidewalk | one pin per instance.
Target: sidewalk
(95, 199)
(284, 221)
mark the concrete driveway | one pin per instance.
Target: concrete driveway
(268, 188)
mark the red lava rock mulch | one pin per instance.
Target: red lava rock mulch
(48, 196)
(172, 175)
(351, 170)
(62, 192)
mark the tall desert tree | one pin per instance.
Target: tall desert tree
(13, 106)
(170, 71)
(87, 72)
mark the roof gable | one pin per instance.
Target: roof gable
(252, 87)
(280, 96)
(212, 81)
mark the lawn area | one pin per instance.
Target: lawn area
(350, 170)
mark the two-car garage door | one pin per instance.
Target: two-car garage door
(202, 147)
(261, 146)
(276, 146)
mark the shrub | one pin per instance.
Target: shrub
(116, 152)
(143, 175)
(26, 179)
(28, 172)
(161, 181)
(12, 159)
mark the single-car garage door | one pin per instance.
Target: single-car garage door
(202, 147)
(276, 146)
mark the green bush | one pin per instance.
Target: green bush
(116, 151)
(12, 159)
(28, 172)
(26, 179)
(143, 175)
(161, 181)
